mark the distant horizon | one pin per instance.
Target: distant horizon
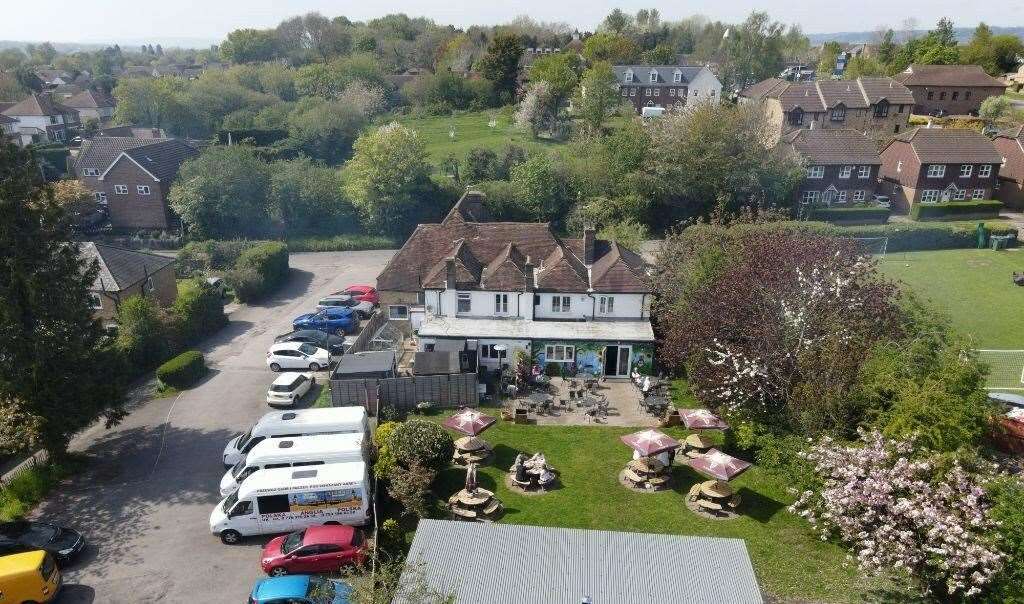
(199, 23)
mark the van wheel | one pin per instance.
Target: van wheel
(314, 367)
(230, 537)
(275, 367)
(278, 571)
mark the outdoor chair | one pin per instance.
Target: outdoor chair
(734, 501)
(710, 506)
(694, 492)
(633, 476)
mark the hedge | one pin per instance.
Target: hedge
(861, 215)
(259, 271)
(183, 370)
(198, 310)
(203, 256)
(341, 243)
(956, 209)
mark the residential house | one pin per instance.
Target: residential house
(125, 273)
(929, 165)
(503, 287)
(842, 166)
(136, 71)
(950, 89)
(666, 86)
(133, 176)
(52, 78)
(1010, 144)
(877, 106)
(42, 120)
(92, 104)
(65, 91)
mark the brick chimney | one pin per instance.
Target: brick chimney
(449, 273)
(528, 275)
(589, 234)
(473, 205)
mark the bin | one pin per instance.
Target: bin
(1000, 242)
(982, 235)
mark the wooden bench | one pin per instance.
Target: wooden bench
(464, 513)
(694, 492)
(492, 509)
(658, 480)
(633, 476)
(524, 484)
(709, 505)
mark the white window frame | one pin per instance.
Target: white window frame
(121, 189)
(966, 170)
(677, 77)
(978, 194)
(559, 353)
(501, 304)
(960, 195)
(628, 77)
(100, 195)
(95, 301)
(811, 196)
(561, 304)
(671, 91)
(606, 305)
(936, 170)
(632, 92)
(461, 297)
(846, 172)
(90, 172)
(984, 170)
(931, 195)
(142, 189)
(657, 92)
(859, 195)
(815, 172)
(647, 92)
(398, 312)
(864, 172)
(841, 196)
(625, 91)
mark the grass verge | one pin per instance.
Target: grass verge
(30, 486)
(341, 243)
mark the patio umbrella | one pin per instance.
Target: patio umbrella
(650, 442)
(469, 421)
(719, 465)
(702, 419)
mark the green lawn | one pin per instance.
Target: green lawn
(972, 287)
(790, 561)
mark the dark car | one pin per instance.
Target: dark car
(331, 343)
(24, 536)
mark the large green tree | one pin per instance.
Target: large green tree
(561, 72)
(57, 375)
(249, 46)
(611, 47)
(500, 64)
(598, 96)
(308, 197)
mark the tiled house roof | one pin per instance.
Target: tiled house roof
(90, 99)
(822, 95)
(162, 158)
(950, 146)
(833, 147)
(1012, 143)
(664, 74)
(98, 153)
(119, 268)
(37, 105)
(948, 75)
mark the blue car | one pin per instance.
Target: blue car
(337, 320)
(299, 589)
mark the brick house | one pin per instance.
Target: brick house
(133, 176)
(950, 89)
(842, 166)
(877, 106)
(1010, 144)
(930, 165)
(40, 119)
(503, 287)
(125, 273)
(666, 86)
(92, 104)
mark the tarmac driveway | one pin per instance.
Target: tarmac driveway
(145, 500)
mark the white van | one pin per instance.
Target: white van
(300, 422)
(289, 499)
(314, 450)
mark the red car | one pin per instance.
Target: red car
(316, 549)
(363, 293)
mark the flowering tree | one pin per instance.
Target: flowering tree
(890, 509)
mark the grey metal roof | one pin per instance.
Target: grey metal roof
(666, 74)
(365, 364)
(519, 564)
(438, 362)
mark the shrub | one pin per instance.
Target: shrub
(385, 452)
(183, 370)
(411, 487)
(246, 283)
(861, 215)
(341, 243)
(1007, 494)
(198, 310)
(259, 271)
(956, 209)
(421, 441)
(142, 335)
(203, 256)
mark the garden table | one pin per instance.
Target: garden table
(716, 489)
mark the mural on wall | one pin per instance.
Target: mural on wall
(643, 359)
(589, 356)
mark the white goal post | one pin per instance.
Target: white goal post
(875, 246)
(1006, 368)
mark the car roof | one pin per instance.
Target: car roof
(288, 586)
(328, 533)
(337, 297)
(361, 288)
(17, 563)
(334, 475)
(289, 345)
(337, 310)
(288, 377)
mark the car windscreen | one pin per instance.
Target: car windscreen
(38, 535)
(237, 469)
(308, 349)
(243, 439)
(292, 542)
(230, 501)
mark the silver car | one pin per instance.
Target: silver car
(362, 309)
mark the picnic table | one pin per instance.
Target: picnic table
(540, 399)
(716, 489)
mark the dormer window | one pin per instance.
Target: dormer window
(629, 76)
(882, 108)
(838, 113)
(654, 76)
(677, 76)
(796, 117)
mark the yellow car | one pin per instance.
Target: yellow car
(28, 578)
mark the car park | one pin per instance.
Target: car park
(298, 451)
(23, 536)
(329, 342)
(29, 577)
(289, 388)
(363, 293)
(318, 549)
(362, 309)
(297, 355)
(299, 589)
(301, 422)
(339, 321)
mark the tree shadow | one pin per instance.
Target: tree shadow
(77, 594)
(297, 285)
(758, 507)
(225, 335)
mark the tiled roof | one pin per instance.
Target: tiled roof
(98, 153)
(1011, 145)
(948, 75)
(562, 271)
(507, 271)
(90, 99)
(162, 157)
(119, 268)
(665, 74)
(617, 269)
(37, 105)
(833, 147)
(950, 146)
(822, 95)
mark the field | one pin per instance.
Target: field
(972, 287)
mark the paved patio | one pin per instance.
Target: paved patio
(623, 410)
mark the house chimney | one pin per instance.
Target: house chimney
(528, 275)
(589, 234)
(449, 273)
(473, 205)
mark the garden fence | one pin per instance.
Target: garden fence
(404, 393)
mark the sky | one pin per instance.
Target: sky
(118, 20)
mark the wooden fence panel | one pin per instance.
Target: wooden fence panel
(444, 391)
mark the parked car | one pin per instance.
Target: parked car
(361, 308)
(331, 343)
(331, 320)
(882, 201)
(297, 355)
(318, 549)
(24, 536)
(30, 576)
(363, 293)
(299, 589)
(289, 388)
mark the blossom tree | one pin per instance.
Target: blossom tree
(896, 511)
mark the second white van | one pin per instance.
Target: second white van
(313, 450)
(300, 422)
